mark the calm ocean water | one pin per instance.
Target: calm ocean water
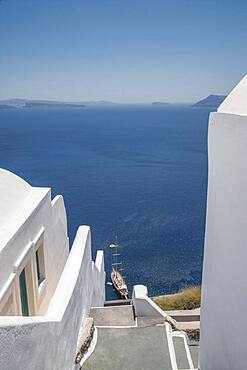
(136, 171)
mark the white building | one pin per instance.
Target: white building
(45, 291)
(224, 293)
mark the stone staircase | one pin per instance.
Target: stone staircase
(125, 342)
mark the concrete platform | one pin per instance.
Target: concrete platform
(113, 316)
(130, 349)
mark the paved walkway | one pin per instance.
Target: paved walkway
(130, 349)
(123, 346)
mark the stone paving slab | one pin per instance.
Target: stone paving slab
(180, 352)
(194, 351)
(113, 316)
(130, 349)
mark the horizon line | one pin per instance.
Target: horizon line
(108, 101)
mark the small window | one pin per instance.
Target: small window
(23, 293)
(40, 265)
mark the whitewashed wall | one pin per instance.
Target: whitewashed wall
(143, 305)
(33, 212)
(49, 342)
(224, 293)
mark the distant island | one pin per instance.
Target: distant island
(99, 102)
(29, 103)
(211, 101)
(160, 103)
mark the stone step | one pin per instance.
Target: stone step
(185, 315)
(188, 325)
(192, 329)
(148, 321)
(118, 302)
(113, 316)
(130, 349)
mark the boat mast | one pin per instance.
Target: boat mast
(115, 255)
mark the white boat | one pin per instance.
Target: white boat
(116, 276)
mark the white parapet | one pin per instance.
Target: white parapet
(143, 305)
(98, 269)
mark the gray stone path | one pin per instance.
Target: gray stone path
(143, 347)
(130, 349)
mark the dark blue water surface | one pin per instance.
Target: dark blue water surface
(136, 171)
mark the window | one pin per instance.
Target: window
(23, 293)
(40, 266)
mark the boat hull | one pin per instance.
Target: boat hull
(119, 284)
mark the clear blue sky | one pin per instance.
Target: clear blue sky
(125, 51)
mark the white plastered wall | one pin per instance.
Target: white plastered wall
(224, 293)
(32, 217)
(73, 283)
(49, 342)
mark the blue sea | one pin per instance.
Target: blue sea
(138, 172)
